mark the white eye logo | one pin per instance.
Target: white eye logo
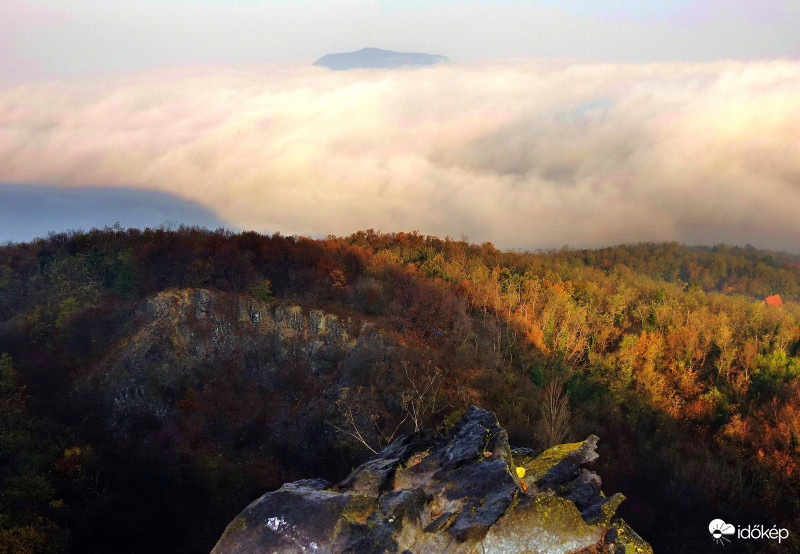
(719, 529)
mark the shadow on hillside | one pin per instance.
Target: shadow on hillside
(30, 211)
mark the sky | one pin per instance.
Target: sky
(575, 122)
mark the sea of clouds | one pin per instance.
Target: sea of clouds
(524, 153)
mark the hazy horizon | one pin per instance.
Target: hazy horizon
(68, 38)
(554, 123)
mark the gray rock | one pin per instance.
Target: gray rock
(458, 493)
(179, 331)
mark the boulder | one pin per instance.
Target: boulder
(458, 493)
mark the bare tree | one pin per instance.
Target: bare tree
(554, 424)
(356, 423)
(359, 418)
(421, 398)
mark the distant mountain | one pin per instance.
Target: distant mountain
(377, 59)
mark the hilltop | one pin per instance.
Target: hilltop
(375, 58)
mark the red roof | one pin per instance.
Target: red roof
(774, 300)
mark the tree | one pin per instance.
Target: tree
(26, 491)
(421, 398)
(554, 410)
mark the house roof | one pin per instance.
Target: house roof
(774, 300)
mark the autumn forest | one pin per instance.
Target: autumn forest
(668, 353)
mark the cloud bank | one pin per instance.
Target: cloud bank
(523, 153)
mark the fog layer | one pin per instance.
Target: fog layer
(523, 153)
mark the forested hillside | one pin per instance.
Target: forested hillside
(153, 382)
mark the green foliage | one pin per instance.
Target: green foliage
(585, 389)
(8, 374)
(261, 290)
(66, 310)
(449, 421)
(127, 281)
(15, 422)
(26, 491)
(537, 375)
(772, 372)
(40, 537)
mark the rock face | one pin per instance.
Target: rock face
(460, 493)
(202, 371)
(376, 58)
(183, 330)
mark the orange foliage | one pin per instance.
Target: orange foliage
(536, 336)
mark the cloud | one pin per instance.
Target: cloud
(524, 153)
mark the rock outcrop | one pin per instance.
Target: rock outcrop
(460, 493)
(179, 332)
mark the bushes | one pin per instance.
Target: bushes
(773, 371)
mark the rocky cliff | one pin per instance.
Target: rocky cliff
(239, 389)
(181, 337)
(464, 492)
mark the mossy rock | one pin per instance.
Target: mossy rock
(544, 462)
(626, 539)
(607, 510)
(358, 508)
(560, 464)
(542, 524)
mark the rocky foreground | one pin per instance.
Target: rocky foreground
(459, 493)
